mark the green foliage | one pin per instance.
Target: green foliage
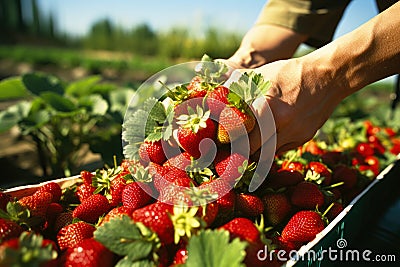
(63, 118)
(212, 248)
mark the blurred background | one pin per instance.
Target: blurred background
(69, 68)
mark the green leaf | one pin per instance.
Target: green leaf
(82, 87)
(13, 115)
(58, 102)
(38, 83)
(156, 110)
(120, 99)
(12, 88)
(126, 238)
(126, 262)
(36, 119)
(213, 248)
(95, 104)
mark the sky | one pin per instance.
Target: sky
(76, 16)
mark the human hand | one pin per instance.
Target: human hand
(300, 100)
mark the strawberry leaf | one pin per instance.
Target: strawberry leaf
(204, 249)
(126, 262)
(126, 238)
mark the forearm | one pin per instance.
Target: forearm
(264, 44)
(366, 55)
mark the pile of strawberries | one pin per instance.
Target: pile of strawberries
(161, 207)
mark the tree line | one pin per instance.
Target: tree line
(22, 21)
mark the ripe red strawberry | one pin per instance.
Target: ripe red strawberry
(29, 249)
(117, 186)
(136, 195)
(89, 253)
(209, 214)
(346, 174)
(248, 205)
(230, 166)
(365, 149)
(283, 178)
(303, 226)
(152, 152)
(180, 161)
(116, 212)
(177, 191)
(234, 123)
(246, 230)
(9, 229)
(74, 233)
(293, 166)
(193, 129)
(92, 208)
(37, 203)
(170, 177)
(53, 188)
(53, 211)
(226, 196)
(217, 100)
(277, 207)
(62, 220)
(180, 257)
(333, 158)
(87, 177)
(334, 211)
(156, 216)
(313, 148)
(319, 172)
(307, 195)
(196, 88)
(83, 191)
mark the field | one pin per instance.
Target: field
(18, 154)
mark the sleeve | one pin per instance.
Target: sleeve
(316, 18)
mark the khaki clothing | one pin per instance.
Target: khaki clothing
(316, 18)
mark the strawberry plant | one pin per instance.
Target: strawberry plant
(62, 119)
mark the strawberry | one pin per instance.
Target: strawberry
(89, 253)
(248, 205)
(180, 257)
(180, 161)
(283, 178)
(237, 119)
(307, 195)
(9, 229)
(246, 230)
(37, 203)
(53, 188)
(197, 87)
(319, 172)
(346, 174)
(365, 149)
(230, 166)
(226, 196)
(152, 152)
(86, 177)
(334, 211)
(62, 220)
(83, 191)
(293, 166)
(170, 175)
(53, 211)
(193, 129)
(303, 226)
(136, 195)
(156, 216)
(217, 100)
(29, 249)
(116, 212)
(117, 186)
(313, 148)
(277, 207)
(92, 208)
(72, 234)
(234, 123)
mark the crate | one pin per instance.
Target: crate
(347, 232)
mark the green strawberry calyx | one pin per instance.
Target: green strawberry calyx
(194, 120)
(248, 88)
(185, 221)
